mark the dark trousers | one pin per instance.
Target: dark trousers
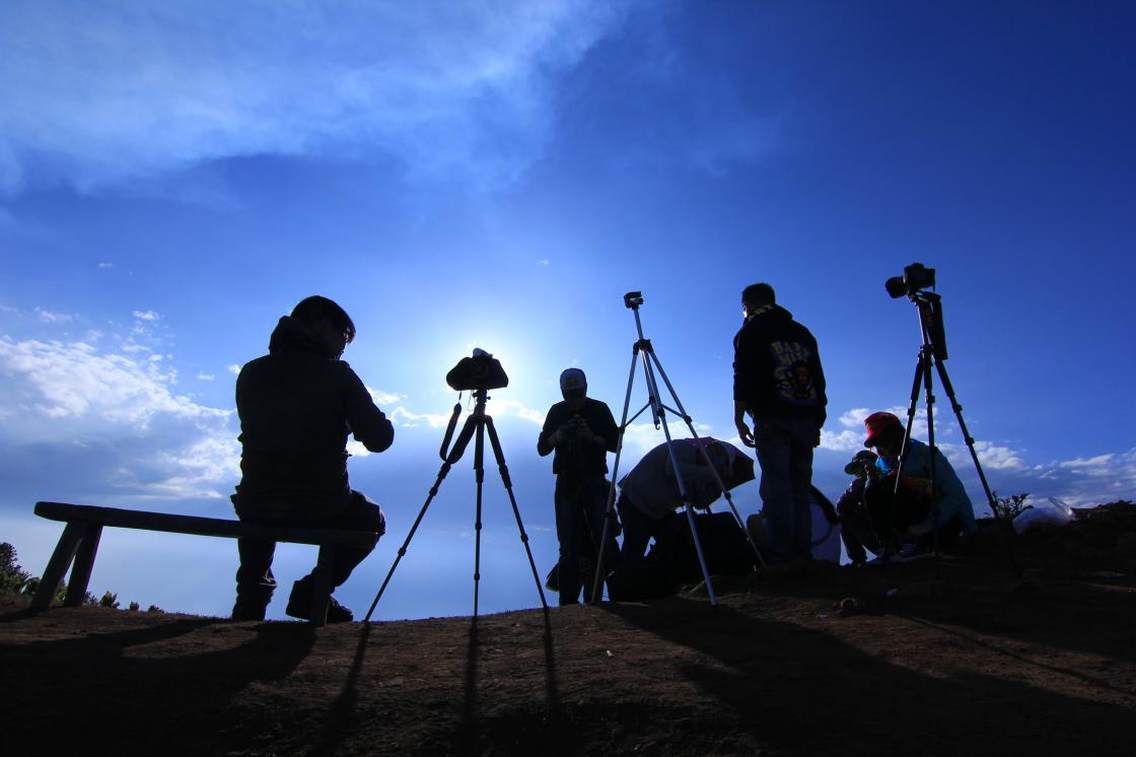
(255, 582)
(580, 508)
(639, 528)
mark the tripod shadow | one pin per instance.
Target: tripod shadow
(343, 708)
(467, 731)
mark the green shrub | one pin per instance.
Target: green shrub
(109, 600)
(13, 578)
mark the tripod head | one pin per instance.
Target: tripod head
(930, 307)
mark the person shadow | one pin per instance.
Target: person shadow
(788, 687)
(106, 690)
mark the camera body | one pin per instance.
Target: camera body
(915, 277)
(632, 300)
(480, 372)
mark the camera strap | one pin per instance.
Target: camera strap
(444, 450)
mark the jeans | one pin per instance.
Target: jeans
(580, 507)
(255, 582)
(785, 452)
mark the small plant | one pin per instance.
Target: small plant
(132, 607)
(154, 609)
(109, 600)
(13, 578)
(1008, 508)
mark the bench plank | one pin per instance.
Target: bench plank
(198, 526)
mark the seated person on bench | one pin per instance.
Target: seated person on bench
(875, 516)
(648, 495)
(297, 404)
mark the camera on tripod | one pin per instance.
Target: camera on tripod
(915, 277)
(480, 372)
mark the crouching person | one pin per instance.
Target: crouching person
(297, 404)
(916, 517)
(582, 431)
(649, 494)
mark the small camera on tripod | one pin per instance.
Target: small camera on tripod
(915, 277)
(482, 371)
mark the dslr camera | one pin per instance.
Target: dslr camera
(480, 372)
(915, 277)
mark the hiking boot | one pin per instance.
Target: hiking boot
(300, 604)
(243, 611)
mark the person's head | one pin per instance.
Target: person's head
(885, 433)
(757, 296)
(328, 321)
(574, 387)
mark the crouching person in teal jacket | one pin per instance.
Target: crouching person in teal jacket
(918, 515)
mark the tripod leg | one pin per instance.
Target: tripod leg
(479, 473)
(402, 550)
(683, 493)
(930, 396)
(507, 480)
(916, 384)
(709, 462)
(609, 510)
(1004, 537)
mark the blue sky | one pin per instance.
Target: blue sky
(174, 178)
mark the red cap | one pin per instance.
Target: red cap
(878, 424)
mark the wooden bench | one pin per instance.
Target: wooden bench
(80, 542)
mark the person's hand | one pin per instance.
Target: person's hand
(744, 432)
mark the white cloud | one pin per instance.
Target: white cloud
(385, 398)
(96, 94)
(202, 376)
(146, 315)
(105, 265)
(116, 417)
(233, 368)
(408, 419)
(544, 262)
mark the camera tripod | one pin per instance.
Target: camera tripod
(643, 351)
(933, 352)
(475, 427)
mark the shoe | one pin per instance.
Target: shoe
(300, 605)
(244, 612)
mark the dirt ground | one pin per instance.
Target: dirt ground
(958, 657)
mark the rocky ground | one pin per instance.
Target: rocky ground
(959, 657)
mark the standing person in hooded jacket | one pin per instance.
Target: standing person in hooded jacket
(297, 404)
(779, 382)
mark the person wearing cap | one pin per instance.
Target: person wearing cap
(921, 515)
(297, 404)
(581, 431)
(779, 383)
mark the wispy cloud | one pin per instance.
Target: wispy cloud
(146, 315)
(96, 94)
(51, 316)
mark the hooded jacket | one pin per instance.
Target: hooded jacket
(297, 404)
(777, 371)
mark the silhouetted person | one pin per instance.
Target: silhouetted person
(297, 404)
(915, 516)
(582, 431)
(649, 495)
(779, 382)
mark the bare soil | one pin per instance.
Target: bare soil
(965, 656)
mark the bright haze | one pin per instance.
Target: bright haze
(175, 176)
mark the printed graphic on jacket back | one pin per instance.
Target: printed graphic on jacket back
(792, 372)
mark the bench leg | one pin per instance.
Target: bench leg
(321, 584)
(57, 566)
(84, 562)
